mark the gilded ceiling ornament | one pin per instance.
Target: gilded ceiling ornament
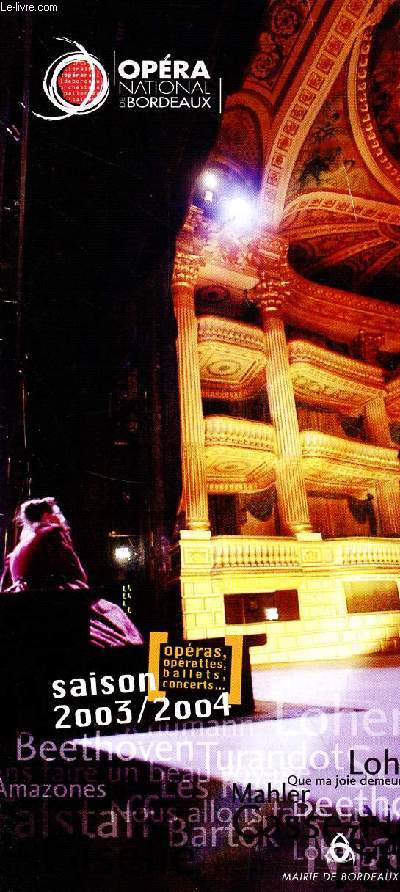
(284, 20)
(186, 267)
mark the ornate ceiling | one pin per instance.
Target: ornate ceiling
(316, 125)
(383, 84)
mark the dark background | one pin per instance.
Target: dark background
(105, 196)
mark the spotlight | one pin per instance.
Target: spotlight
(210, 180)
(240, 211)
(123, 554)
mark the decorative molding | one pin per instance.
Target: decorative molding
(345, 253)
(223, 430)
(231, 479)
(232, 366)
(393, 398)
(226, 331)
(185, 270)
(344, 366)
(332, 311)
(255, 553)
(370, 553)
(270, 293)
(229, 372)
(342, 314)
(306, 230)
(340, 373)
(240, 454)
(187, 253)
(342, 203)
(384, 169)
(288, 26)
(327, 456)
(231, 359)
(318, 74)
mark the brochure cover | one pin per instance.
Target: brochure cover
(200, 433)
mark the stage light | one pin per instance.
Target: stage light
(210, 180)
(240, 211)
(123, 554)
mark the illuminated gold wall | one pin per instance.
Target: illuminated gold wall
(325, 457)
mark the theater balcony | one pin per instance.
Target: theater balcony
(326, 378)
(334, 459)
(240, 455)
(231, 358)
(314, 599)
(290, 510)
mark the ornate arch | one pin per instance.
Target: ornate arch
(342, 203)
(365, 132)
(310, 90)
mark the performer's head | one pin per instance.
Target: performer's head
(37, 511)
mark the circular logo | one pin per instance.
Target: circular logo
(75, 83)
(339, 850)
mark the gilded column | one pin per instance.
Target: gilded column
(195, 499)
(291, 490)
(388, 498)
(376, 421)
(387, 491)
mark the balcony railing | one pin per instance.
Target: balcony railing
(222, 430)
(227, 331)
(255, 551)
(279, 553)
(345, 368)
(335, 457)
(366, 552)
